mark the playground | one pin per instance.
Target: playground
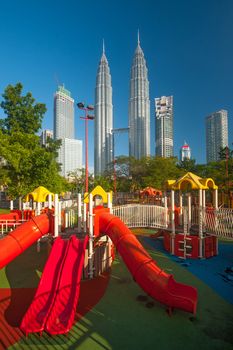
(121, 286)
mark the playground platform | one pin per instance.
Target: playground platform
(114, 313)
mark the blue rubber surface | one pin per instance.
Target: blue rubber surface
(212, 271)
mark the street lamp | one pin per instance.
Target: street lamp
(87, 117)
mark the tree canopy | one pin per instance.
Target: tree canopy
(22, 113)
(27, 164)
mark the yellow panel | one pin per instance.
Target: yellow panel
(39, 194)
(98, 191)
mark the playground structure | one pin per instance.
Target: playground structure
(54, 304)
(107, 224)
(150, 195)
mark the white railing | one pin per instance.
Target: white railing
(71, 218)
(218, 222)
(9, 225)
(136, 215)
(194, 215)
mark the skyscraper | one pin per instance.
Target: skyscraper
(70, 156)
(63, 114)
(139, 107)
(216, 134)
(164, 126)
(103, 117)
(185, 152)
(70, 152)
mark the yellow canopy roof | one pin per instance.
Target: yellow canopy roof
(190, 181)
(40, 194)
(98, 191)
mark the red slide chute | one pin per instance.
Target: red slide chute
(54, 305)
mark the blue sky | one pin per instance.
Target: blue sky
(188, 46)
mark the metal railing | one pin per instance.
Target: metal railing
(136, 215)
(218, 222)
(9, 225)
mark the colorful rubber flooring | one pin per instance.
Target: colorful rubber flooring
(114, 313)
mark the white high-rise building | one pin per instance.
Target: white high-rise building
(70, 152)
(216, 134)
(63, 114)
(103, 140)
(139, 107)
(70, 156)
(164, 126)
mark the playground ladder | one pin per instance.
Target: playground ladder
(187, 239)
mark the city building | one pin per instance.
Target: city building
(103, 140)
(45, 135)
(139, 107)
(70, 152)
(164, 126)
(63, 114)
(185, 152)
(70, 156)
(216, 134)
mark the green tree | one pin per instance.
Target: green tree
(133, 175)
(187, 165)
(77, 180)
(22, 113)
(26, 163)
(104, 181)
(160, 170)
(225, 153)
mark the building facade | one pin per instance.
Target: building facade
(63, 114)
(45, 135)
(216, 134)
(164, 144)
(103, 139)
(185, 152)
(70, 156)
(70, 152)
(139, 107)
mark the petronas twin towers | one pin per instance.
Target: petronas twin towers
(139, 112)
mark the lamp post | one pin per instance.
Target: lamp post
(87, 117)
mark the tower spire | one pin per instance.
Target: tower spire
(138, 38)
(103, 47)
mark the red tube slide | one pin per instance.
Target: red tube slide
(154, 281)
(22, 237)
(35, 318)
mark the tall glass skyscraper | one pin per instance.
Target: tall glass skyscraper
(63, 114)
(216, 134)
(70, 152)
(139, 107)
(103, 154)
(164, 126)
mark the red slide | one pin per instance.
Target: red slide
(22, 237)
(62, 314)
(54, 305)
(35, 318)
(155, 282)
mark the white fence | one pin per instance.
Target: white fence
(136, 215)
(218, 222)
(9, 225)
